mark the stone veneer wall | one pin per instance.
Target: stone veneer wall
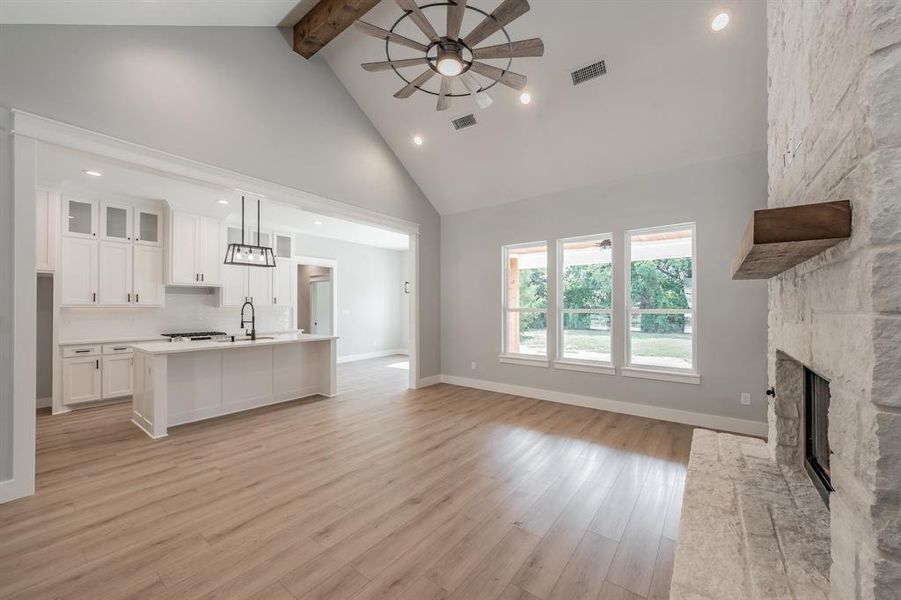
(835, 133)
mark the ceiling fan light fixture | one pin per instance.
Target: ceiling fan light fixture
(449, 65)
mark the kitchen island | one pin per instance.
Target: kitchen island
(182, 382)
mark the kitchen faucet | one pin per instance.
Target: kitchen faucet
(253, 320)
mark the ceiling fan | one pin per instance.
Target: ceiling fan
(453, 56)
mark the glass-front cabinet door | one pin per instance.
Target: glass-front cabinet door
(148, 226)
(115, 222)
(80, 218)
(283, 246)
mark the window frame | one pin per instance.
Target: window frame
(631, 369)
(519, 357)
(577, 364)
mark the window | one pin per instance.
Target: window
(585, 286)
(660, 296)
(525, 300)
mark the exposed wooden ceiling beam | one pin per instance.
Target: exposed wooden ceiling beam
(325, 21)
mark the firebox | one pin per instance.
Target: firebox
(816, 432)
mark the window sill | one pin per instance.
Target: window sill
(587, 367)
(661, 375)
(525, 361)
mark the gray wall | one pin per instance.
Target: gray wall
(239, 98)
(370, 293)
(718, 196)
(6, 297)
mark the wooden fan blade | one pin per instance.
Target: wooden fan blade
(444, 100)
(384, 34)
(520, 49)
(455, 14)
(500, 18)
(407, 90)
(472, 86)
(420, 19)
(508, 78)
(397, 64)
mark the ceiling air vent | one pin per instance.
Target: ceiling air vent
(592, 71)
(464, 122)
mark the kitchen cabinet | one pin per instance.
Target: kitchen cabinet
(259, 279)
(81, 380)
(116, 374)
(283, 282)
(116, 274)
(148, 227)
(81, 218)
(148, 276)
(115, 222)
(195, 250)
(79, 261)
(46, 237)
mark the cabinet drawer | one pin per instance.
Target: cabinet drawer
(117, 349)
(70, 351)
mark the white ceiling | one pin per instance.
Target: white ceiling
(675, 94)
(212, 13)
(63, 169)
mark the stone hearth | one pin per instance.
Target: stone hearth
(751, 529)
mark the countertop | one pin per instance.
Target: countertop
(201, 345)
(112, 340)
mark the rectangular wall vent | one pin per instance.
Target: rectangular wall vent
(592, 71)
(464, 122)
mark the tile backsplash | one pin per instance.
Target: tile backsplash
(187, 309)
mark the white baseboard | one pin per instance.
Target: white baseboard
(367, 355)
(427, 381)
(731, 424)
(43, 402)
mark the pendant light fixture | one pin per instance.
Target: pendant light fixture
(248, 255)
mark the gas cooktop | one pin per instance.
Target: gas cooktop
(194, 335)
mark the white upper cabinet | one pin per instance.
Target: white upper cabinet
(148, 227)
(81, 218)
(183, 248)
(148, 276)
(46, 230)
(211, 251)
(115, 274)
(115, 222)
(283, 289)
(283, 245)
(79, 267)
(196, 250)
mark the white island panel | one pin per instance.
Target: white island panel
(182, 382)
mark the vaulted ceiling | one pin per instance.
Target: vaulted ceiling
(675, 92)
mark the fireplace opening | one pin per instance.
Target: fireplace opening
(816, 432)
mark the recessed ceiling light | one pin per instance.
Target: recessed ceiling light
(720, 21)
(93, 173)
(317, 222)
(417, 140)
(222, 201)
(525, 97)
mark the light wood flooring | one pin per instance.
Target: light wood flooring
(441, 493)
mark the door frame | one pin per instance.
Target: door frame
(20, 134)
(328, 263)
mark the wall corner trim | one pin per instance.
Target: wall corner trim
(730, 424)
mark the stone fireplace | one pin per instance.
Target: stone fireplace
(835, 134)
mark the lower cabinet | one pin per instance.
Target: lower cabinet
(117, 375)
(81, 379)
(96, 372)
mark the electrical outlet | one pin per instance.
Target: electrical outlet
(746, 398)
(473, 365)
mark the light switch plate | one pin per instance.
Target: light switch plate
(746, 398)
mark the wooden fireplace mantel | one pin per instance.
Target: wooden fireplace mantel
(777, 239)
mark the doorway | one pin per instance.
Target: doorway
(316, 296)
(320, 306)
